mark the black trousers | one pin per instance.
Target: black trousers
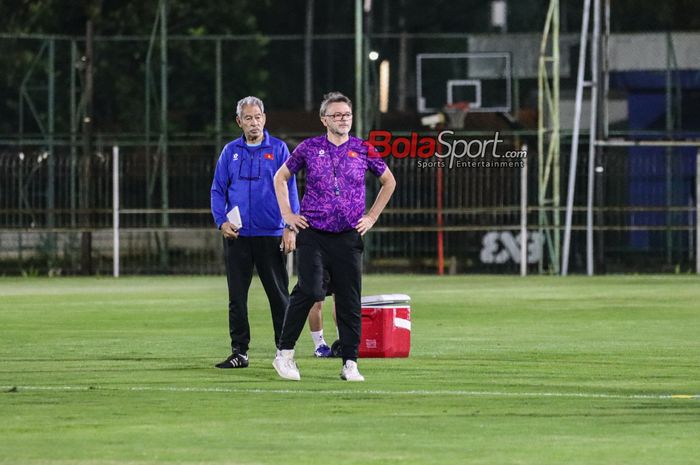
(241, 255)
(340, 254)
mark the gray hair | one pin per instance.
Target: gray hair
(333, 97)
(250, 100)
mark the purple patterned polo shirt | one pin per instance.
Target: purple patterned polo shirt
(335, 181)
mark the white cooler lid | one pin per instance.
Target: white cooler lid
(385, 299)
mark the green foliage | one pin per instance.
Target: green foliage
(541, 370)
(270, 70)
(120, 67)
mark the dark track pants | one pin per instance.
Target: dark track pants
(341, 255)
(240, 256)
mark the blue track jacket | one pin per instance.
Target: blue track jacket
(244, 177)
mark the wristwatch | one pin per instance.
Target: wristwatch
(290, 227)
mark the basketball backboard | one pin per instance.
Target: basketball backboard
(483, 79)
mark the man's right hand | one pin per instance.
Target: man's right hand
(289, 241)
(229, 231)
(298, 222)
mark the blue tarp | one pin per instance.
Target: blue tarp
(646, 168)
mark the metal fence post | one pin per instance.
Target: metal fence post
(115, 209)
(523, 215)
(697, 212)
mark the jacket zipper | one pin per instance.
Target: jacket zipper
(250, 188)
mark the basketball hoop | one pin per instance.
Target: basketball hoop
(456, 113)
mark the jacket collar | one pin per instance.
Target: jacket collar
(265, 142)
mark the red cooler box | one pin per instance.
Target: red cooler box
(386, 326)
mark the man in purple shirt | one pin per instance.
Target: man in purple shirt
(330, 227)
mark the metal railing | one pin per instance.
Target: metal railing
(481, 211)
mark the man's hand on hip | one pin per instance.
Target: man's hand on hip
(297, 222)
(229, 231)
(365, 224)
(289, 241)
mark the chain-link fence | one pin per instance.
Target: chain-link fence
(55, 175)
(643, 221)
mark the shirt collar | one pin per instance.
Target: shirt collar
(332, 147)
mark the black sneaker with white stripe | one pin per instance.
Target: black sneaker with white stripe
(235, 360)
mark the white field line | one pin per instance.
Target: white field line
(335, 392)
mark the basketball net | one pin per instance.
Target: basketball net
(456, 113)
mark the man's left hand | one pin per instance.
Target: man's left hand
(289, 241)
(365, 224)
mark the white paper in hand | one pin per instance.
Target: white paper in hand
(234, 217)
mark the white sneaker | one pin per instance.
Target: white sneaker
(286, 366)
(349, 372)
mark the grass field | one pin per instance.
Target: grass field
(503, 370)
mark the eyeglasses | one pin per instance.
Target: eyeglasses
(248, 170)
(339, 116)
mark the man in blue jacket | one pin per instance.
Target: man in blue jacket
(244, 179)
